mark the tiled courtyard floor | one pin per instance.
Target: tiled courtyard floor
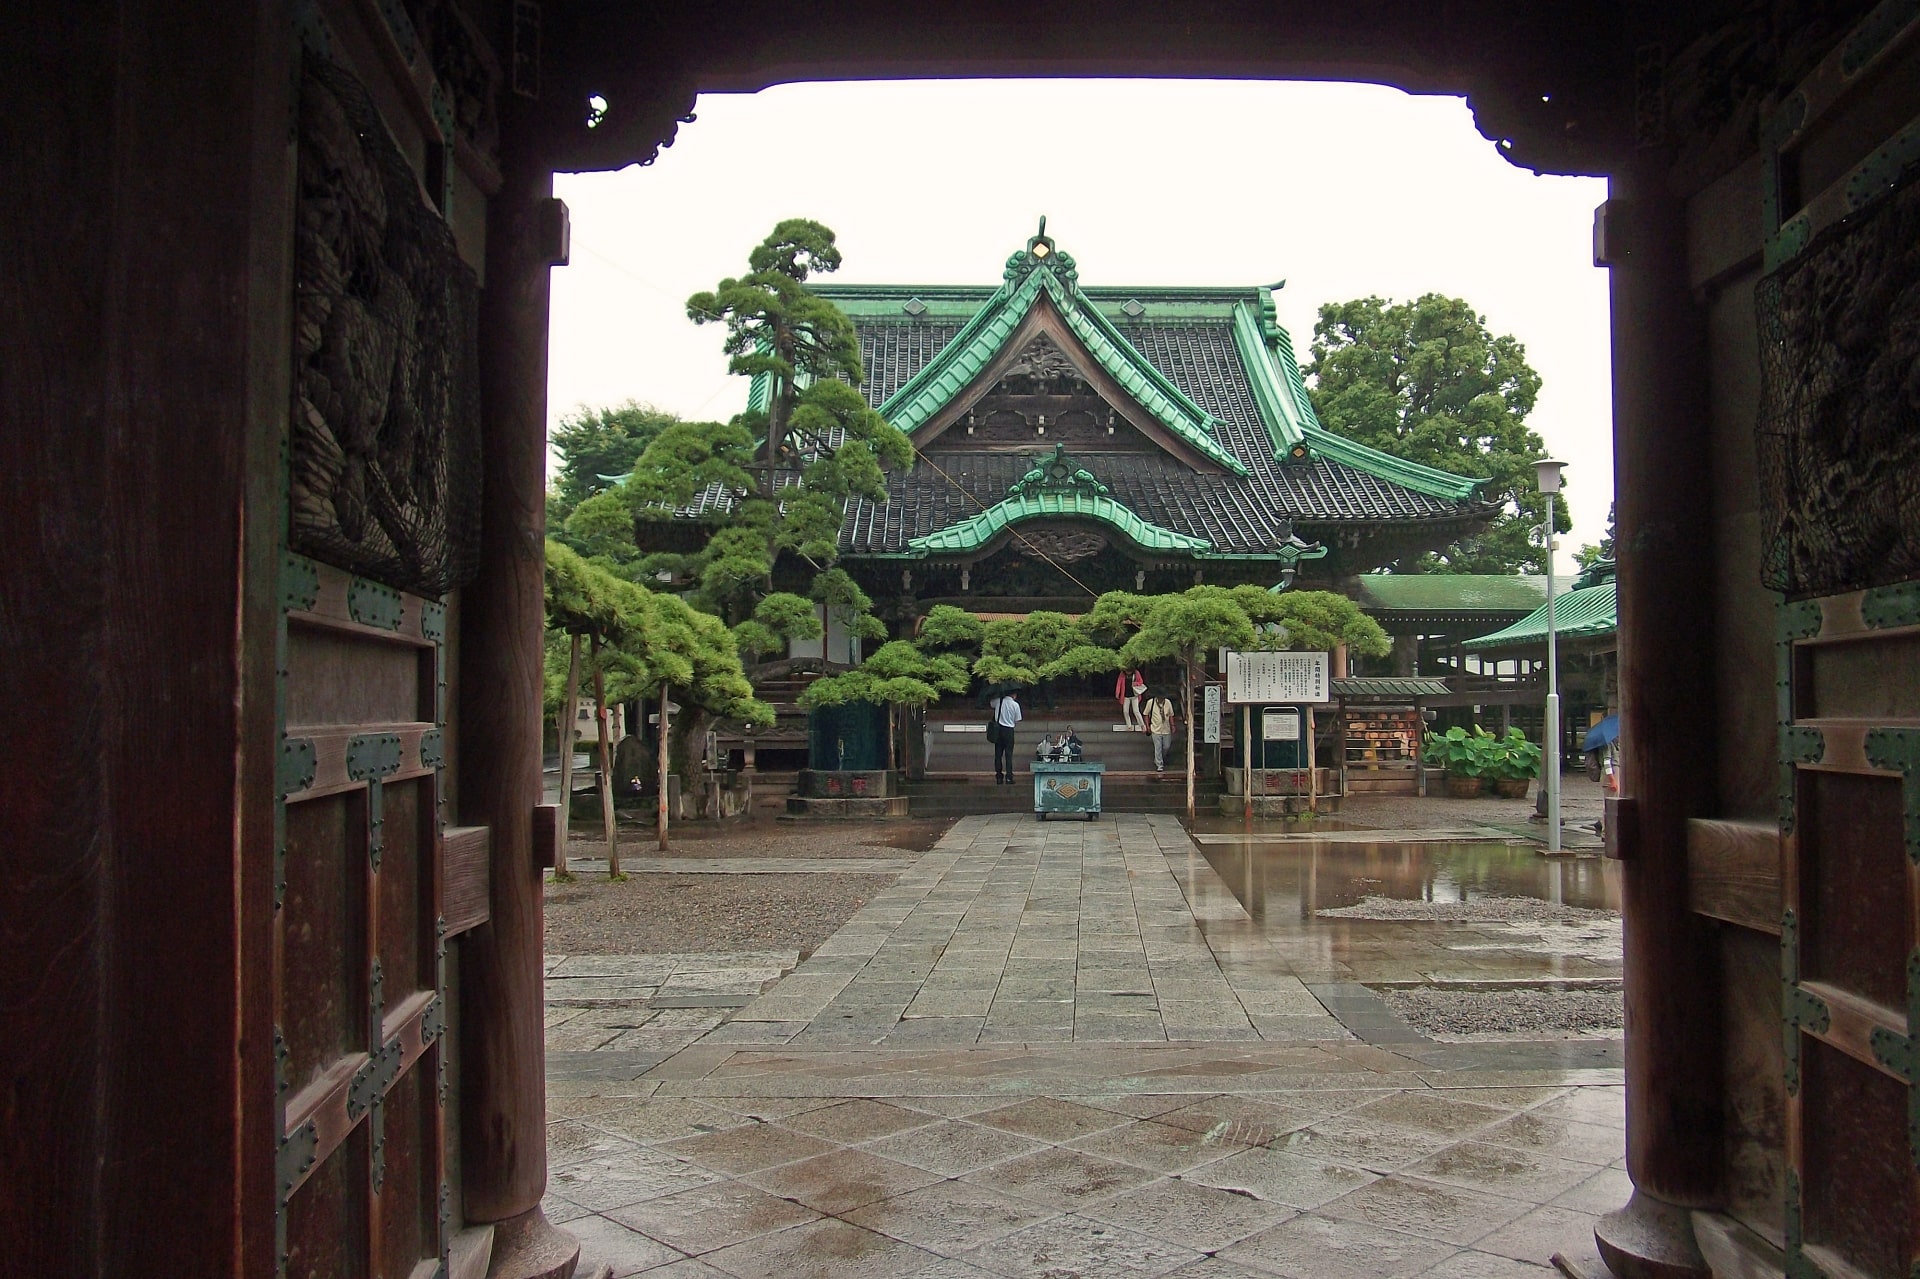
(1056, 1050)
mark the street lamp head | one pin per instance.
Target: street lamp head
(1547, 472)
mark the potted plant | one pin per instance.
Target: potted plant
(1467, 757)
(1513, 763)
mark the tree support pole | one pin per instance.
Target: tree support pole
(1664, 467)
(503, 1106)
(569, 715)
(1186, 707)
(660, 812)
(608, 820)
(1246, 763)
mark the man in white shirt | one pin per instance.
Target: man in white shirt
(1006, 714)
(1161, 719)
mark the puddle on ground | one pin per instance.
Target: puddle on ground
(1423, 911)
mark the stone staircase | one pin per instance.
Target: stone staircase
(960, 766)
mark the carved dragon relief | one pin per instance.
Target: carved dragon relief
(1839, 431)
(1060, 545)
(385, 415)
(1043, 369)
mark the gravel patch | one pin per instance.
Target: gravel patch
(662, 912)
(1480, 910)
(1581, 804)
(763, 837)
(1528, 1013)
(671, 914)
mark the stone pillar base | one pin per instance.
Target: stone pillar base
(530, 1247)
(1651, 1239)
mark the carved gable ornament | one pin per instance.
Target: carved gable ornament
(1043, 362)
(1058, 473)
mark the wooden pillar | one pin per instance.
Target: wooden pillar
(1663, 476)
(143, 399)
(502, 1040)
(1406, 656)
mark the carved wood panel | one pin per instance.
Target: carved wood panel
(385, 417)
(1839, 317)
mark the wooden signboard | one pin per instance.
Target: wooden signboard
(1298, 679)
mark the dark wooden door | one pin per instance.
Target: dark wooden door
(1850, 817)
(382, 497)
(359, 955)
(1840, 199)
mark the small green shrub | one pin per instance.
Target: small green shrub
(1478, 753)
(1514, 757)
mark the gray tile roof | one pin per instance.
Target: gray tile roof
(1238, 514)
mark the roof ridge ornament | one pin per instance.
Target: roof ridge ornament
(1041, 251)
(1059, 473)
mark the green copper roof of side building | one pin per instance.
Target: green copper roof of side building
(1587, 613)
(1450, 592)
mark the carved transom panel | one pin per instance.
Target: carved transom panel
(1060, 545)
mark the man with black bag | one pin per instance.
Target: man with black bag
(1002, 714)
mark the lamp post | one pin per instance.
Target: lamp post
(1547, 473)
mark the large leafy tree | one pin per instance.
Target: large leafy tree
(592, 443)
(1429, 382)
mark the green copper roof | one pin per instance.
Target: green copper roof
(1275, 400)
(1274, 372)
(1587, 613)
(1039, 271)
(972, 534)
(1450, 593)
(1386, 688)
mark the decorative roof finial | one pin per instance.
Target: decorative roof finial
(1041, 249)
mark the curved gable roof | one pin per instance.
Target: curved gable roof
(982, 339)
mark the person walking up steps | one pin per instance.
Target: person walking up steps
(1160, 723)
(1006, 714)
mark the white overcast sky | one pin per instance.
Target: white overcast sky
(1340, 190)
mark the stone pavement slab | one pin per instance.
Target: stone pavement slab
(1146, 1088)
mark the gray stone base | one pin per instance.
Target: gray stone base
(1292, 807)
(848, 783)
(840, 809)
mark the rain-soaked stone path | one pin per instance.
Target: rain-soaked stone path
(1056, 1050)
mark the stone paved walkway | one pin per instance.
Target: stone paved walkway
(1055, 1050)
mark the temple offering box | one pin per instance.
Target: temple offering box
(1068, 787)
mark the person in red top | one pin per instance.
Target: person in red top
(1127, 690)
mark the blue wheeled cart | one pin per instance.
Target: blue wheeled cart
(1068, 787)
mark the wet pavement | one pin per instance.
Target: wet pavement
(1287, 882)
(1071, 1049)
